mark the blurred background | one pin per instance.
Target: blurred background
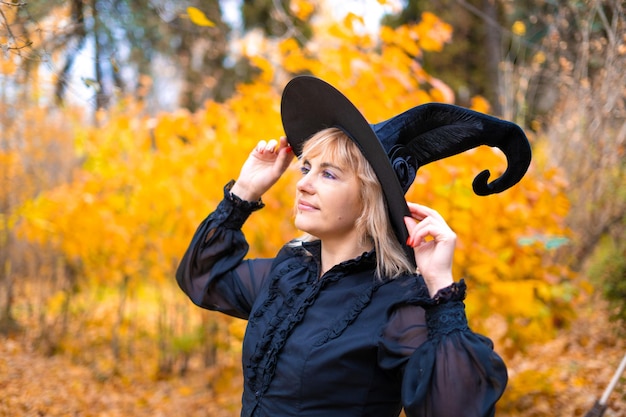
(120, 122)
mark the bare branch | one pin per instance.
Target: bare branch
(6, 24)
(10, 34)
(284, 17)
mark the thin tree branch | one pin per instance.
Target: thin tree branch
(284, 17)
(10, 34)
(496, 25)
(6, 24)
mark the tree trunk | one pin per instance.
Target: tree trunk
(80, 32)
(102, 98)
(493, 41)
(7, 321)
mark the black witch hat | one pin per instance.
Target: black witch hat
(398, 147)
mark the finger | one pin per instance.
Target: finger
(284, 144)
(419, 211)
(260, 147)
(416, 236)
(285, 156)
(429, 227)
(416, 230)
(271, 145)
(410, 223)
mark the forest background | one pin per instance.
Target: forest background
(120, 121)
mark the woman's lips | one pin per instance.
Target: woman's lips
(305, 206)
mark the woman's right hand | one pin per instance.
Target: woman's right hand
(264, 166)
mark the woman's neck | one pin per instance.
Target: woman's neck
(334, 253)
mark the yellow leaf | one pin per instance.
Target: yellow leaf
(185, 391)
(519, 28)
(351, 19)
(433, 33)
(302, 9)
(539, 58)
(480, 104)
(198, 17)
(7, 66)
(386, 34)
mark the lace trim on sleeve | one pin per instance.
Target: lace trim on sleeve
(445, 313)
(455, 292)
(241, 209)
(445, 319)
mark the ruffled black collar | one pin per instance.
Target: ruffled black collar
(367, 260)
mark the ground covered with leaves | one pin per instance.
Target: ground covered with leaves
(32, 384)
(575, 368)
(571, 371)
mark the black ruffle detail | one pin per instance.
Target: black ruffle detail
(263, 361)
(340, 325)
(239, 209)
(445, 319)
(273, 292)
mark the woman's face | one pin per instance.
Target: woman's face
(327, 199)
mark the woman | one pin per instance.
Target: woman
(339, 322)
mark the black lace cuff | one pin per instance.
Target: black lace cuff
(446, 318)
(239, 210)
(242, 204)
(445, 312)
(455, 292)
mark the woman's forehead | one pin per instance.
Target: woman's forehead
(325, 157)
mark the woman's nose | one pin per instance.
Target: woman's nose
(305, 184)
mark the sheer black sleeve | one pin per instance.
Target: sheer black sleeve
(447, 370)
(213, 272)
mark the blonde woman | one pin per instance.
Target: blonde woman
(361, 316)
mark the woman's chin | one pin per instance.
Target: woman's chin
(304, 226)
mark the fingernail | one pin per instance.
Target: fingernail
(289, 149)
(408, 241)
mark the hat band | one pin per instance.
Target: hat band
(404, 164)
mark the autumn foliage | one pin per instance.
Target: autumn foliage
(136, 185)
(146, 182)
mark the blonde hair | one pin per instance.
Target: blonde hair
(373, 224)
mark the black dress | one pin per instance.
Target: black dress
(346, 344)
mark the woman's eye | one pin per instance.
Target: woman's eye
(329, 175)
(304, 170)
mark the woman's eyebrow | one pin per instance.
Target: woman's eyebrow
(330, 165)
(324, 165)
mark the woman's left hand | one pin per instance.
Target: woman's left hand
(433, 242)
